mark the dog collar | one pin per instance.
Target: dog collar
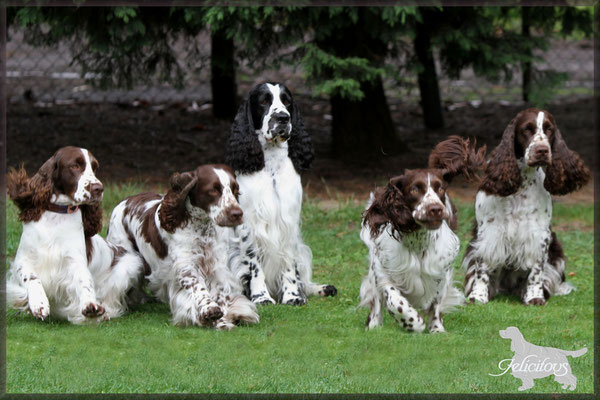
(62, 209)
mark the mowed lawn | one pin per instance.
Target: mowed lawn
(318, 348)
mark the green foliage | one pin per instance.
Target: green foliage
(318, 348)
(338, 47)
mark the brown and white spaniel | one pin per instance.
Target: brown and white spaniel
(408, 227)
(181, 237)
(59, 250)
(513, 248)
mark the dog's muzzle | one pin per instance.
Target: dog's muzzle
(540, 155)
(280, 127)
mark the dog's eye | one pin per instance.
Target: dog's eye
(264, 102)
(75, 166)
(441, 190)
(286, 103)
(414, 190)
(214, 192)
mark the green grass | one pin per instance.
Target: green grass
(318, 348)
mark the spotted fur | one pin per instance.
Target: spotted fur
(513, 248)
(408, 229)
(181, 237)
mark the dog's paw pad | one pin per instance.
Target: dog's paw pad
(211, 313)
(93, 310)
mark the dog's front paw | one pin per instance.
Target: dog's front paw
(538, 301)
(262, 299)
(479, 297)
(413, 324)
(224, 325)
(437, 327)
(93, 310)
(211, 313)
(39, 310)
(292, 299)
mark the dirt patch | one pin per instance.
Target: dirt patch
(149, 143)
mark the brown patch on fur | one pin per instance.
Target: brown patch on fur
(173, 213)
(136, 205)
(118, 252)
(555, 251)
(91, 216)
(389, 206)
(567, 172)
(502, 175)
(31, 195)
(455, 156)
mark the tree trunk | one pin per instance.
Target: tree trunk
(363, 127)
(428, 82)
(526, 65)
(222, 81)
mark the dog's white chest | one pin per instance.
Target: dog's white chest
(419, 261)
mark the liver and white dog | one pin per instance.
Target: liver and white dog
(181, 238)
(514, 249)
(408, 227)
(60, 251)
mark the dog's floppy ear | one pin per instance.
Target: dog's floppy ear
(567, 172)
(502, 175)
(173, 213)
(300, 147)
(41, 183)
(389, 206)
(244, 152)
(91, 216)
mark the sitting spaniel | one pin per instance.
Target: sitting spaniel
(60, 251)
(268, 148)
(513, 249)
(181, 238)
(408, 227)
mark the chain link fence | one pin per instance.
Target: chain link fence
(47, 76)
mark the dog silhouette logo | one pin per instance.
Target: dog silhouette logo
(534, 362)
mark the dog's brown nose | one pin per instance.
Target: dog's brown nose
(435, 211)
(96, 189)
(235, 215)
(541, 152)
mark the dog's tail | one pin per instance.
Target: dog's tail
(574, 353)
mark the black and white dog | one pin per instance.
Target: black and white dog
(268, 148)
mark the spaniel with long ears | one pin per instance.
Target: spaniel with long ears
(564, 173)
(268, 148)
(513, 247)
(54, 269)
(408, 227)
(182, 238)
(251, 130)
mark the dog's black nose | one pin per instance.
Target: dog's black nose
(281, 117)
